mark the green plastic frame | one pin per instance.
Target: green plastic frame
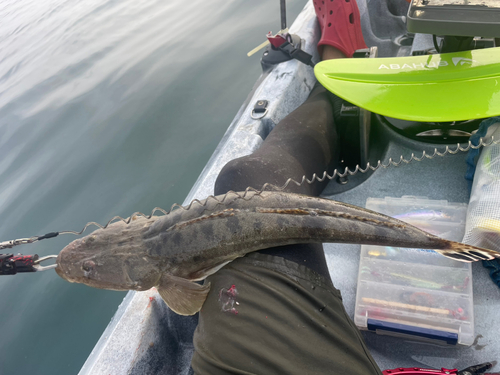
(432, 88)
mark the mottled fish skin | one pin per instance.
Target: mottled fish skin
(188, 245)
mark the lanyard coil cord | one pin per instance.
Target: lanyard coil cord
(8, 261)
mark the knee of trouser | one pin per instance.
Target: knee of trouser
(264, 171)
(237, 174)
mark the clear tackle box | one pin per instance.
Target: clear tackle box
(415, 293)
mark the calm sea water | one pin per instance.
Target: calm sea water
(106, 107)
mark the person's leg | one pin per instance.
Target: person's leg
(303, 143)
(267, 315)
(276, 311)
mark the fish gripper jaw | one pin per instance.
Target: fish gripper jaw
(12, 264)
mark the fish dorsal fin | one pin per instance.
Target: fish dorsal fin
(182, 296)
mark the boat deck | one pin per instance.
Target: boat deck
(145, 338)
(440, 178)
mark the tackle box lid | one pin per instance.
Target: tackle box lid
(417, 294)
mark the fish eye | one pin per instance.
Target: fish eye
(88, 266)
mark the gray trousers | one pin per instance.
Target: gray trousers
(276, 311)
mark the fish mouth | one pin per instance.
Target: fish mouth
(81, 268)
(62, 273)
(70, 266)
(75, 265)
(69, 271)
(76, 275)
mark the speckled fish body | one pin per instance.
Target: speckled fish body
(172, 251)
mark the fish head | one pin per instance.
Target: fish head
(112, 258)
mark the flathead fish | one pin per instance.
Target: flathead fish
(171, 252)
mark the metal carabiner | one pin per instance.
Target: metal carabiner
(10, 244)
(39, 268)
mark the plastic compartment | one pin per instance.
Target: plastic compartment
(455, 17)
(415, 293)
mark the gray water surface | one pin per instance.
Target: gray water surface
(106, 108)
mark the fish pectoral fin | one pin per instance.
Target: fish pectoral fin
(182, 296)
(205, 272)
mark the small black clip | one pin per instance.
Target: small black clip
(476, 370)
(260, 109)
(297, 53)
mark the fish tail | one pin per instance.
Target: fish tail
(468, 253)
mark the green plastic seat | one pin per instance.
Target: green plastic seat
(433, 88)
